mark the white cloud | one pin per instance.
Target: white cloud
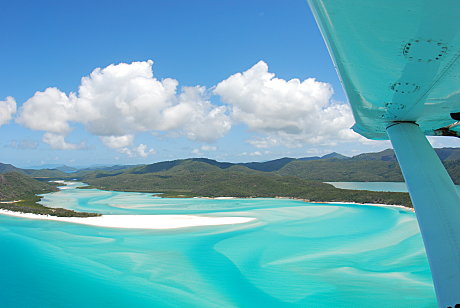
(442, 141)
(57, 141)
(141, 151)
(7, 109)
(286, 112)
(208, 148)
(49, 111)
(24, 144)
(116, 142)
(200, 120)
(255, 153)
(204, 148)
(118, 101)
(121, 100)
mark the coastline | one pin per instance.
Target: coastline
(353, 203)
(410, 209)
(161, 222)
(153, 222)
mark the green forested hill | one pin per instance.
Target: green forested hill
(284, 177)
(368, 167)
(40, 173)
(45, 173)
(385, 155)
(193, 178)
(344, 170)
(4, 168)
(15, 186)
(372, 167)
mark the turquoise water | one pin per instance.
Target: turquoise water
(375, 186)
(295, 254)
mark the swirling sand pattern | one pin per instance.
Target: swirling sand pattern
(295, 254)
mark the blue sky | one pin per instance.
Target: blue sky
(124, 115)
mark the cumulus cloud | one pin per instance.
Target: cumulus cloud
(49, 111)
(121, 100)
(141, 151)
(199, 119)
(116, 142)
(7, 110)
(286, 112)
(204, 148)
(255, 153)
(57, 141)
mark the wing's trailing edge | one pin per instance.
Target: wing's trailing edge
(399, 62)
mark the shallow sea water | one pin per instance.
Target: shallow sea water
(296, 254)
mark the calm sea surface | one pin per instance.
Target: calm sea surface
(295, 254)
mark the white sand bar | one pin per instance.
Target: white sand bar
(140, 221)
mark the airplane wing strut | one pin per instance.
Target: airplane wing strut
(399, 63)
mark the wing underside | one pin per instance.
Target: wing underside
(398, 61)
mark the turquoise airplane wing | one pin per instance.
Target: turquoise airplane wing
(398, 61)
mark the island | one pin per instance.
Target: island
(19, 193)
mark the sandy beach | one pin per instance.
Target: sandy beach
(158, 222)
(353, 203)
(374, 204)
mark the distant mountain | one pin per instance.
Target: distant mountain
(373, 167)
(448, 154)
(268, 166)
(385, 155)
(4, 168)
(327, 156)
(334, 155)
(62, 168)
(45, 173)
(40, 173)
(309, 158)
(167, 165)
(107, 168)
(66, 169)
(378, 166)
(445, 154)
(221, 165)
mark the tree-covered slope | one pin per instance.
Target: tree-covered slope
(4, 168)
(46, 173)
(23, 190)
(368, 167)
(374, 167)
(201, 179)
(344, 170)
(15, 186)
